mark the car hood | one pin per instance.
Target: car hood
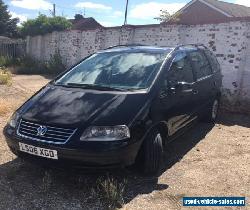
(74, 107)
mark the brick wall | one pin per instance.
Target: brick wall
(229, 42)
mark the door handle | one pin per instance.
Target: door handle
(173, 90)
(195, 92)
(188, 91)
(163, 94)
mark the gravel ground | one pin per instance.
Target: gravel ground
(209, 160)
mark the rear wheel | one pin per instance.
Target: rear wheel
(212, 114)
(152, 153)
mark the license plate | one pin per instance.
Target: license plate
(38, 151)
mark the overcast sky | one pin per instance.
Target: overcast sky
(107, 12)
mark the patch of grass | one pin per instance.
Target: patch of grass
(111, 191)
(5, 77)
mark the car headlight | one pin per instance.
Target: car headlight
(105, 133)
(13, 120)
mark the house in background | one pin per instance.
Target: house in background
(81, 23)
(195, 12)
(210, 11)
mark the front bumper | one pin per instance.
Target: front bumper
(86, 154)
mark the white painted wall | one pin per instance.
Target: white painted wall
(230, 42)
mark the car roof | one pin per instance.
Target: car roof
(138, 48)
(153, 49)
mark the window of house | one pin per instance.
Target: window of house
(201, 65)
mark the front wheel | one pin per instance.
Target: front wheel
(212, 114)
(152, 153)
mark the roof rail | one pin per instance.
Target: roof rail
(124, 45)
(198, 45)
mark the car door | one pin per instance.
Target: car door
(177, 93)
(204, 80)
(217, 77)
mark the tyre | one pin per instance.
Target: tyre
(212, 113)
(15, 152)
(152, 153)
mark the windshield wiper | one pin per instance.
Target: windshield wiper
(94, 87)
(135, 89)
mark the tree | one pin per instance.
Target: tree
(43, 25)
(165, 16)
(78, 17)
(8, 25)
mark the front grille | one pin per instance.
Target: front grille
(53, 135)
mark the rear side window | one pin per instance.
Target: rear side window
(201, 65)
(180, 70)
(213, 61)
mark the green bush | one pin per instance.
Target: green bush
(43, 25)
(3, 61)
(29, 65)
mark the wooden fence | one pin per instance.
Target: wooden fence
(12, 50)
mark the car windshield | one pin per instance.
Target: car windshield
(117, 70)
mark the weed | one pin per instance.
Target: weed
(55, 64)
(111, 190)
(4, 107)
(5, 77)
(47, 180)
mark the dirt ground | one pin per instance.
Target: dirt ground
(209, 160)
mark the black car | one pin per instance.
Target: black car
(118, 106)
